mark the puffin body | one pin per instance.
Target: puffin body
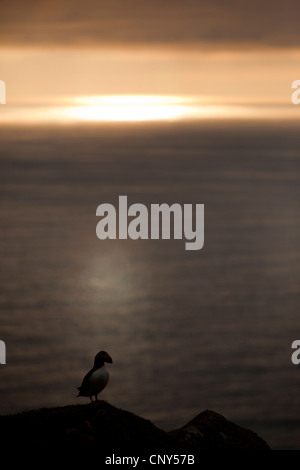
(97, 378)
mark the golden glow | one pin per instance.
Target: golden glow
(146, 84)
(135, 108)
(128, 108)
(131, 100)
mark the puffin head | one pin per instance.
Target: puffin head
(101, 357)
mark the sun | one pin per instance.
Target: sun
(127, 108)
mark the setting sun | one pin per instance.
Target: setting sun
(128, 108)
(138, 108)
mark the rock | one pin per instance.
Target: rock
(111, 430)
(210, 430)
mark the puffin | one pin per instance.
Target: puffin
(97, 378)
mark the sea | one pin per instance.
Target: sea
(187, 330)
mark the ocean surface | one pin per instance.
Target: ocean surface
(187, 330)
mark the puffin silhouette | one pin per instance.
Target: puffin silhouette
(97, 378)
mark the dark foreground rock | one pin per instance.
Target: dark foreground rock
(110, 430)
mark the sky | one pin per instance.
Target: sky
(214, 23)
(216, 52)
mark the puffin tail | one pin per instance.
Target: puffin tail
(79, 393)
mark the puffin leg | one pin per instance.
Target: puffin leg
(91, 399)
(96, 402)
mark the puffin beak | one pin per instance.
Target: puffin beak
(109, 359)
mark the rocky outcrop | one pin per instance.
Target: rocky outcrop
(110, 430)
(210, 430)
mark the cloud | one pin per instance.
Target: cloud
(216, 23)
